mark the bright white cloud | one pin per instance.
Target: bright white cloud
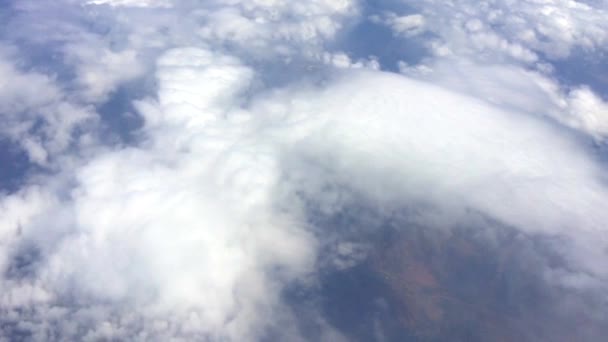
(194, 231)
(588, 112)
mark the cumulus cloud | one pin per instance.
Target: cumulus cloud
(199, 228)
(407, 25)
(553, 28)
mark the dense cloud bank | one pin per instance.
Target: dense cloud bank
(231, 170)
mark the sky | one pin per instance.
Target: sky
(227, 170)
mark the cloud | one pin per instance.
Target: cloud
(131, 3)
(407, 25)
(589, 110)
(553, 28)
(536, 92)
(36, 113)
(199, 228)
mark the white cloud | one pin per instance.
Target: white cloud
(194, 232)
(589, 112)
(35, 112)
(132, 3)
(214, 249)
(20, 91)
(536, 92)
(497, 28)
(101, 71)
(277, 27)
(406, 25)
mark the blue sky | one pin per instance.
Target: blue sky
(174, 169)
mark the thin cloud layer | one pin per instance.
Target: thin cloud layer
(256, 126)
